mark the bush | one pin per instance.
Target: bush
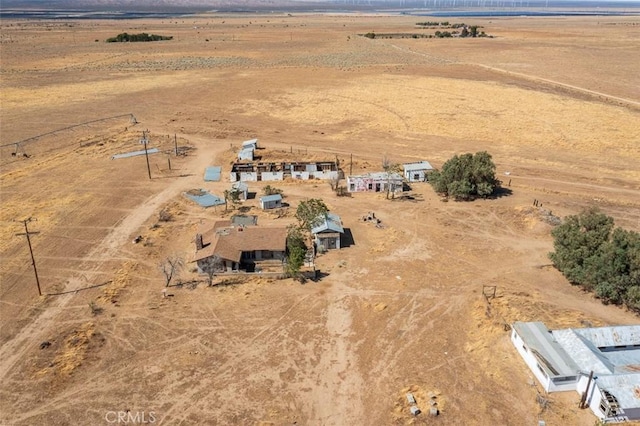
(270, 190)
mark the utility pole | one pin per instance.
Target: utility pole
(351, 166)
(175, 141)
(145, 141)
(33, 260)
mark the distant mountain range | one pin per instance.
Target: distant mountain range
(155, 5)
(187, 6)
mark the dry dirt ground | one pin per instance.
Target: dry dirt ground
(556, 101)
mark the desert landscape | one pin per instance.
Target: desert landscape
(554, 100)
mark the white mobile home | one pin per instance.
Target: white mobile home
(601, 364)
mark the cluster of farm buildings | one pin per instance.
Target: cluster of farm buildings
(601, 364)
(241, 246)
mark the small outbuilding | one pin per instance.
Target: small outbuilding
(417, 172)
(327, 233)
(271, 202)
(242, 189)
(250, 144)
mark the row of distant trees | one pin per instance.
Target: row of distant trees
(126, 37)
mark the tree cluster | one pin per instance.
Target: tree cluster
(593, 254)
(466, 176)
(125, 37)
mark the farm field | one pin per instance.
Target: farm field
(556, 101)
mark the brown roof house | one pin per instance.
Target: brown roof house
(239, 248)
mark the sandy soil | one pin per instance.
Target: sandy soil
(555, 101)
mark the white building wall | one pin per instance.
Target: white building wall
(325, 175)
(410, 175)
(530, 360)
(233, 177)
(268, 176)
(246, 154)
(267, 205)
(249, 176)
(594, 397)
(300, 175)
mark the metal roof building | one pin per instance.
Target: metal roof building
(601, 363)
(328, 231)
(330, 222)
(417, 172)
(271, 201)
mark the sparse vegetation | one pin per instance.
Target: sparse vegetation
(592, 254)
(465, 177)
(165, 215)
(270, 190)
(171, 267)
(210, 266)
(232, 195)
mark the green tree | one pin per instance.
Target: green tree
(592, 254)
(577, 244)
(632, 298)
(310, 212)
(615, 267)
(466, 176)
(296, 250)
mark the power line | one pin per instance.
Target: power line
(33, 260)
(132, 119)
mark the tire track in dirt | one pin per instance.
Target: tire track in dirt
(627, 102)
(15, 350)
(234, 366)
(336, 399)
